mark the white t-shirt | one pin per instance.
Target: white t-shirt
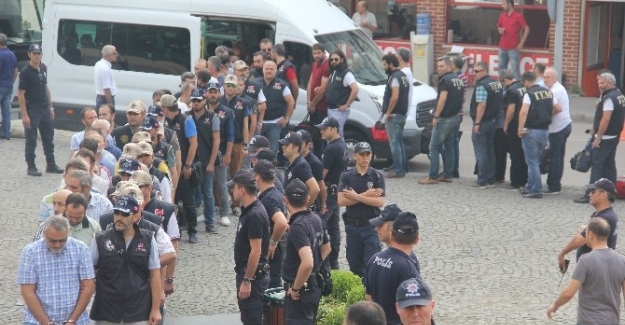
(183, 107)
(368, 18)
(562, 119)
(408, 72)
(103, 78)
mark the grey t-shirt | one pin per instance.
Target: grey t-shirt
(601, 273)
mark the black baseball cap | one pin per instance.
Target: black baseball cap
(34, 48)
(604, 184)
(296, 189)
(292, 138)
(406, 223)
(243, 177)
(265, 168)
(305, 135)
(198, 93)
(362, 147)
(266, 154)
(328, 122)
(155, 110)
(413, 292)
(258, 142)
(389, 213)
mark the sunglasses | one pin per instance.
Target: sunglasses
(196, 100)
(123, 214)
(231, 85)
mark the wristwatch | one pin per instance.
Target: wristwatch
(169, 280)
(295, 290)
(247, 280)
(273, 242)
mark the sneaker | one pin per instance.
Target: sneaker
(236, 211)
(491, 185)
(33, 171)
(583, 199)
(533, 196)
(428, 181)
(225, 221)
(508, 186)
(192, 238)
(210, 229)
(478, 186)
(54, 169)
(549, 191)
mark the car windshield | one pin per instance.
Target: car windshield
(363, 56)
(20, 21)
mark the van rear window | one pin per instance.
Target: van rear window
(141, 48)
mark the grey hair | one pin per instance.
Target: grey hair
(221, 49)
(215, 62)
(3, 39)
(106, 124)
(108, 50)
(552, 69)
(404, 54)
(186, 86)
(608, 77)
(58, 222)
(83, 176)
(482, 64)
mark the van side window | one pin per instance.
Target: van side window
(142, 48)
(241, 36)
(301, 56)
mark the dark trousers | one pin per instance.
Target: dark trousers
(186, 194)
(275, 266)
(500, 142)
(304, 310)
(557, 147)
(362, 243)
(603, 161)
(252, 308)
(518, 167)
(331, 223)
(101, 100)
(319, 145)
(40, 120)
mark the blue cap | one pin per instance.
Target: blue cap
(129, 165)
(34, 48)
(150, 122)
(328, 122)
(155, 110)
(126, 204)
(413, 292)
(198, 93)
(212, 85)
(292, 138)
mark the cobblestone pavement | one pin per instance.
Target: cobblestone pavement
(489, 255)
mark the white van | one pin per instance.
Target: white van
(158, 40)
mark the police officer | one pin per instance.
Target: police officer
(135, 113)
(307, 244)
(395, 109)
(513, 100)
(280, 105)
(334, 162)
(485, 103)
(387, 269)
(37, 111)
(155, 168)
(209, 139)
(298, 167)
(316, 168)
(251, 247)
(534, 120)
(123, 291)
(241, 116)
(361, 191)
(342, 88)
(273, 201)
(286, 69)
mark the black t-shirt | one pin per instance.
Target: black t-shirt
(122, 135)
(610, 216)
(273, 201)
(360, 184)
(514, 95)
(384, 272)
(315, 166)
(299, 168)
(253, 224)
(334, 160)
(306, 229)
(34, 83)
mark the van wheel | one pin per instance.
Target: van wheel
(351, 139)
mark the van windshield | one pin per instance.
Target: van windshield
(363, 55)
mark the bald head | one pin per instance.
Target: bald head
(58, 200)
(200, 65)
(550, 76)
(102, 126)
(269, 70)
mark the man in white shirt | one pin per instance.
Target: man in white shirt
(365, 19)
(105, 88)
(559, 131)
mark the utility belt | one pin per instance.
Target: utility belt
(332, 189)
(261, 271)
(355, 221)
(310, 284)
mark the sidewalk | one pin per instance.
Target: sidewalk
(229, 319)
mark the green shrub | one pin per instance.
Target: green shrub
(347, 290)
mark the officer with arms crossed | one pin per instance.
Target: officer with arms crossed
(306, 248)
(251, 248)
(361, 191)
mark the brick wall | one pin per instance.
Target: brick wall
(572, 41)
(436, 8)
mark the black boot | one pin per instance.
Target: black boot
(32, 170)
(54, 169)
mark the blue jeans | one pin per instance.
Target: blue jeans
(271, 131)
(512, 57)
(457, 145)
(395, 131)
(5, 105)
(443, 136)
(534, 142)
(361, 244)
(339, 116)
(220, 177)
(208, 197)
(40, 120)
(485, 152)
(557, 146)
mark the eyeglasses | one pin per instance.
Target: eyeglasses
(123, 214)
(335, 60)
(231, 85)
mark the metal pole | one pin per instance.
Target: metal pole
(559, 39)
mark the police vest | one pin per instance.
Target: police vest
(494, 99)
(401, 107)
(154, 171)
(615, 125)
(276, 104)
(204, 126)
(123, 278)
(237, 105)
(177, 124)
(161, 209)
(282, 67)
(255, 74)
(541, 108)
(514, 95)
(161, 150)
(455, 94)
(252, 88)
(337, 94)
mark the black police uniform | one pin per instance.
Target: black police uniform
(362, 239)
(401, 107)
(454, 87)
(541, 108)
(273, 201)
(493, 102)
(603, 161)
(337, 94)
(253, 224)
(518, 167)
(334, 160)
(610, 216)
(34, 84)
(316, 167)
(300, 169)
(122, 135)
(306, 229)
(385, 271)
